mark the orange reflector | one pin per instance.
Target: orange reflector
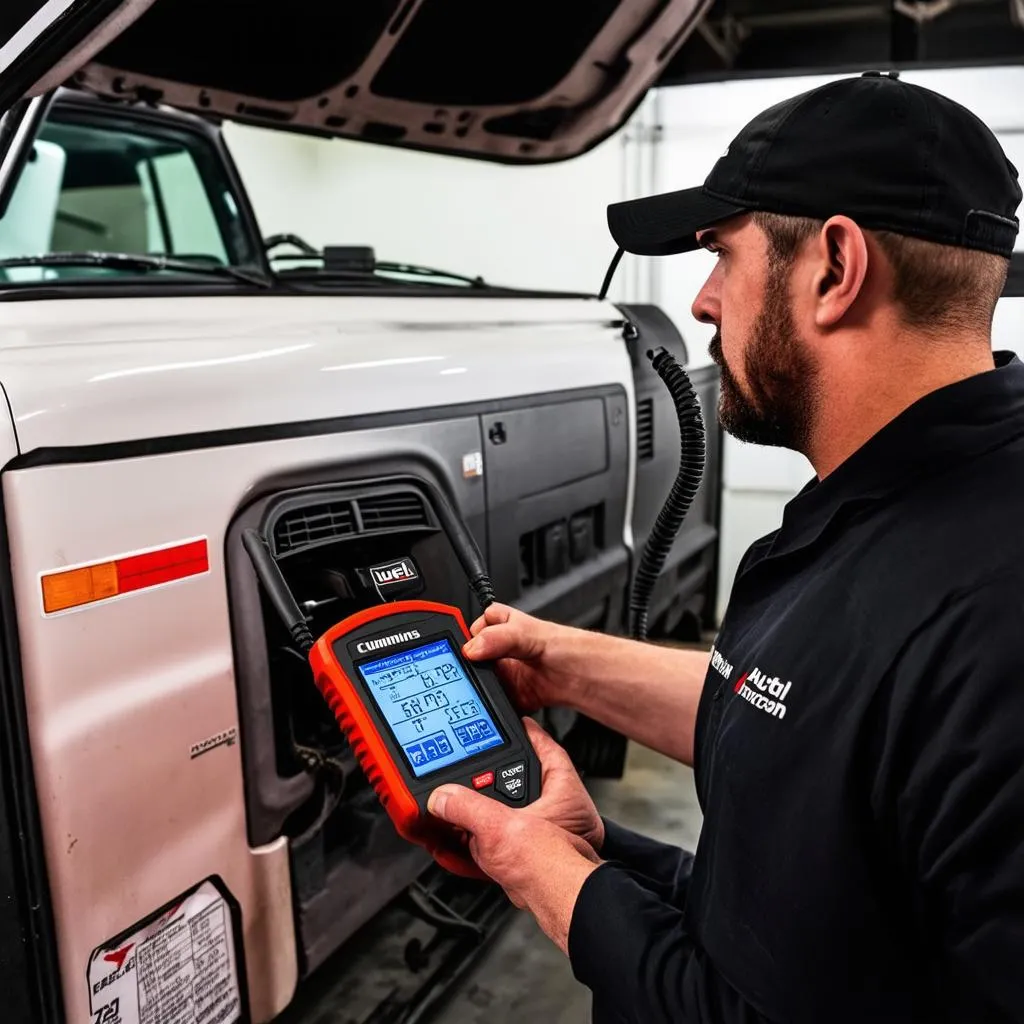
(79, 586)
(72, 588)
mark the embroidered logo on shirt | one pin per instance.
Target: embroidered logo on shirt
(719, 664)
(764, 693)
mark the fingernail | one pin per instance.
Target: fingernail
(436, 803)
(471, 646)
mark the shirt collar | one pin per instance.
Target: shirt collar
(953, 424)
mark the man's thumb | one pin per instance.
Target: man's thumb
(462, 807)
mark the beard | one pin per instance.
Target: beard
(781, 377)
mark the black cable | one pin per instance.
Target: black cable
(465, 546)
(288, 239)
(611, 273)
(691, 471)
(269, 574)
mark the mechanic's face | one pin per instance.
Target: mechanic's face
(767, 372)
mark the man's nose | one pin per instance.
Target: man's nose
(707, 307)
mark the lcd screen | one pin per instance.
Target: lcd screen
(435, 712)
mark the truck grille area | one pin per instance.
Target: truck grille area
(324, 520)
(308, 526)
(392, 511)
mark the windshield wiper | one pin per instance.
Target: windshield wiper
(411, 270)
(352, 262)
(135, 261)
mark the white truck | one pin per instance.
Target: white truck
(184, 834)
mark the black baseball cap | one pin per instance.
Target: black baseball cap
(890, 155)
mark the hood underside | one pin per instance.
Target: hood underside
(530, 82)
(534, 81)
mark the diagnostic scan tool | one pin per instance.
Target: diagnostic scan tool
(416, 713)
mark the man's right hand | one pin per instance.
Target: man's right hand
(520, 647)
(647, 692)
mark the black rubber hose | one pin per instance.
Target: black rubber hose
(612, 267)
(465, 546)
(268, 572)
(677, 505)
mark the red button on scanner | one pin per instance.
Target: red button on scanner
(484, 779)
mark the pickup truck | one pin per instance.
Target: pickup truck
(184, 834)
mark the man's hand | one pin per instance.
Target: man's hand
(519, 644)
(564, 800)
(540, 854)
(647, 692)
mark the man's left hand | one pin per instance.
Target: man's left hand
(540, 854)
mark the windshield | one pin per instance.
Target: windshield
(97, 184)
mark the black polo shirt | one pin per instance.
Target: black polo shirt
(859, 756)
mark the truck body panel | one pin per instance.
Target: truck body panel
(101, 371)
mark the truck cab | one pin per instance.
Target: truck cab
(172, 379)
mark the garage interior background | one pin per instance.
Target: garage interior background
(544, 227)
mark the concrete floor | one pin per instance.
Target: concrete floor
(523, 977)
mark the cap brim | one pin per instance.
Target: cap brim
(668, 223)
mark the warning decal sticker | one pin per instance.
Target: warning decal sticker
(179, 969)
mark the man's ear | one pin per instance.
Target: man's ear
(841, 252)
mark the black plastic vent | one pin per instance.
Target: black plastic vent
(314, 524)
(323, 519)
(645, 428)
(392, 511)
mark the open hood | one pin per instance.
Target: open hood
(532, 81)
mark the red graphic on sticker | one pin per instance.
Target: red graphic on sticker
(118, 957)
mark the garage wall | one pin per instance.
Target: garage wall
(532, 227)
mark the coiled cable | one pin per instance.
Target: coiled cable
(677, 504)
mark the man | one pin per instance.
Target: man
(858, 733)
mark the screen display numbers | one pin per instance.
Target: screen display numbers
(434, 710)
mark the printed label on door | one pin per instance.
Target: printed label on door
(179, 969)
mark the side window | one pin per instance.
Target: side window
(106, 187)
(102, 205)
(190, 224)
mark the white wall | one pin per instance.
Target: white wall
(541, 227)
